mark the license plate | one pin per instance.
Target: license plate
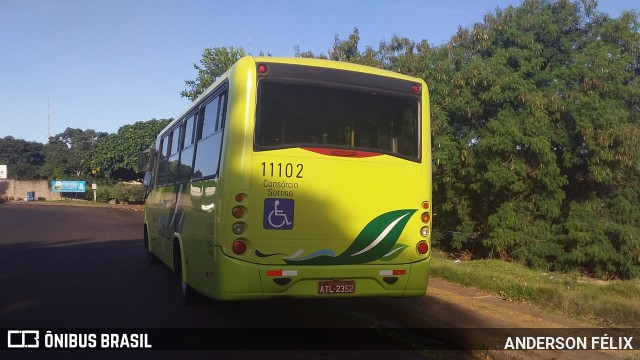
(333, 287)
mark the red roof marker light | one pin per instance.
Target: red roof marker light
(263, 68)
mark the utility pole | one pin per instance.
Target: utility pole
(48, 121)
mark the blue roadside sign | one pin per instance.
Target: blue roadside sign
(68, 186)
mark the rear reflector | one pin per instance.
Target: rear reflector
(279, 273)
(392, 272)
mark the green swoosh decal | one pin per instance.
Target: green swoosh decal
(376, 241)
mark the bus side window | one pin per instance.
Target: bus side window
(207, 157)
(175, 141)
(221, 111)
(172, 173)
(189, 131)
(161, 174)
(209, 118)
(186, 155)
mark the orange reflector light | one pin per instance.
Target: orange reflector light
(422, 247)
(425, 217)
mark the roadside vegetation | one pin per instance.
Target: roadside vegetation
(614, 303)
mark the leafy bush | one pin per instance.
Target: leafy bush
(121, 192)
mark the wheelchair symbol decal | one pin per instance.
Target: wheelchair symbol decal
(278, 214)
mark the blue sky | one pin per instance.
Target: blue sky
(102, 64)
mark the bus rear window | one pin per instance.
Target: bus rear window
(303, 114)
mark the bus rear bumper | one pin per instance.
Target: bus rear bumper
(254, 281)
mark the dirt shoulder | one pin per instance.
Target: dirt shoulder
(457, 306)
(451, 315)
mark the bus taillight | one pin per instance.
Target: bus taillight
(422, 247)
(239, 247)
(426, 218)
(240, 197)
(238, 212)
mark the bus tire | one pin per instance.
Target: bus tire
(187, 293)
(152, 259)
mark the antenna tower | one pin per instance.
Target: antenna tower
(48, 121)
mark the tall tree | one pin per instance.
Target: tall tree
(542, 105)
(115, 157)
(67, 152)
(600, 123)
(215, 61)
(57, 155)
(23, 158)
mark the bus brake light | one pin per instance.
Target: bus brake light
(239, 247)
(422, 247)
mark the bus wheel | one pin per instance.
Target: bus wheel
(188, 294)
(152, 259)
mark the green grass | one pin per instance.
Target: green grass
(611, 303)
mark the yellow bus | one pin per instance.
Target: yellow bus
(295, 177)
